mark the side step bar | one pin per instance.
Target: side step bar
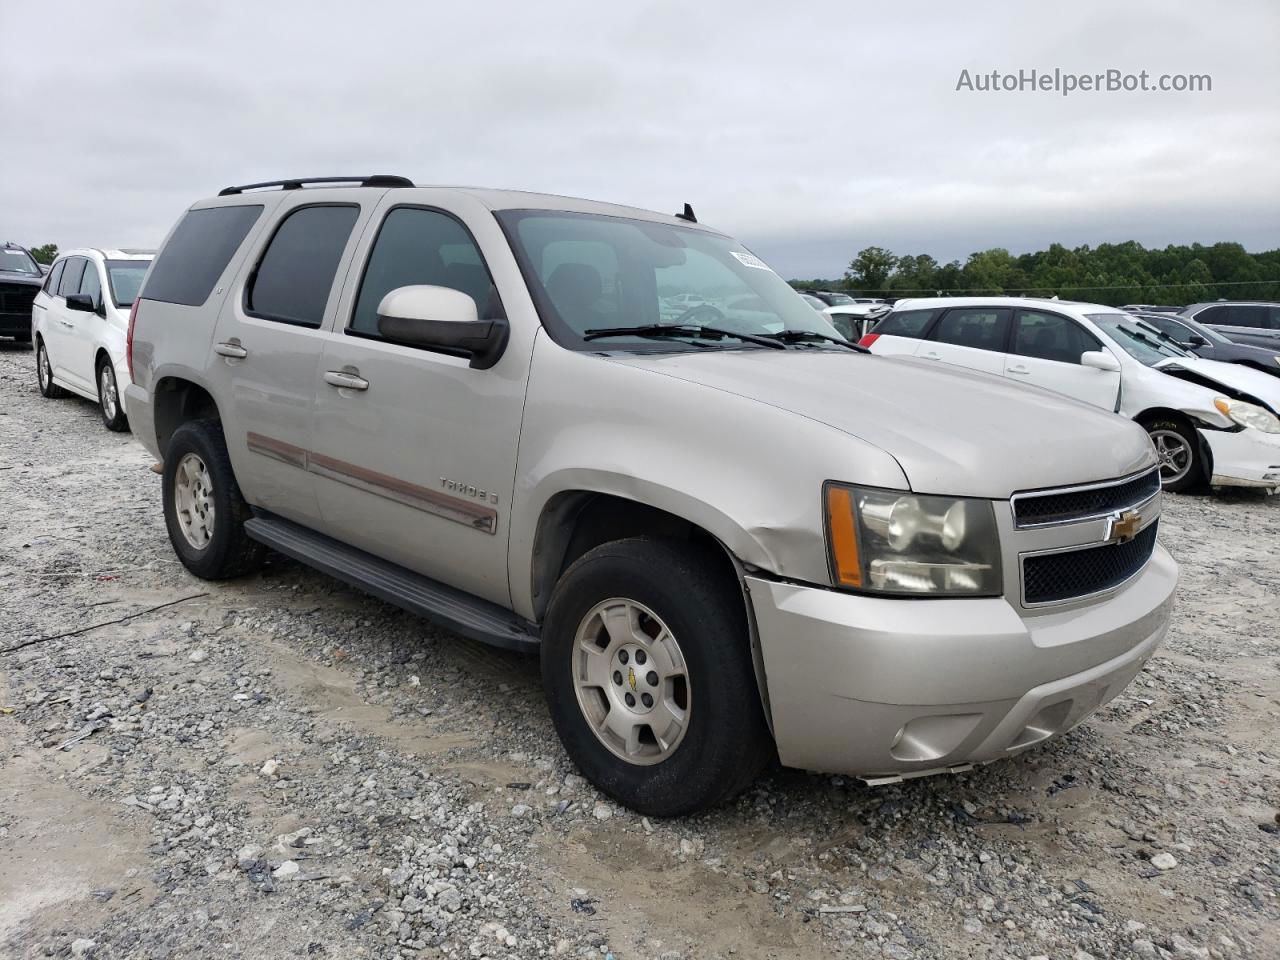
(450, 608)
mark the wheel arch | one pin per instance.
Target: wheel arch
(575, 521)
(177, 400)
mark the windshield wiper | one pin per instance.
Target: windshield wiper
(678, 330)
(808, 336)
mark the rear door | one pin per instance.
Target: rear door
(268, 342)
(43, 312)
(416, 463)
(971, 337)
(1045, 352)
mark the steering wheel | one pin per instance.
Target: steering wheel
(713, 315)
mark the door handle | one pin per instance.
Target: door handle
(345, 380)
(1021, 370)
(930, 355)
(230, 348)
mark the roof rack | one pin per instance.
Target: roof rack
(377, 180)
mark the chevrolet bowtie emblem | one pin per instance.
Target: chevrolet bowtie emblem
(1124, 526)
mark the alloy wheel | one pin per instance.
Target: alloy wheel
(1175, 455)
(107, 391)
(631, 681)
(193, 501)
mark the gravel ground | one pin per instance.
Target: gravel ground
(279, 766)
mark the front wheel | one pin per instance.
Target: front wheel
(44, 375)
(647, 668)
(109, 398)
(1178, 447)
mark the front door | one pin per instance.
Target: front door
(267, 347)
(415, 462)
(1045, 351)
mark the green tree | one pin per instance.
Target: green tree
(870, 269)
(45, 253)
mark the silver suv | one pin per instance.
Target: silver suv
(619, 440)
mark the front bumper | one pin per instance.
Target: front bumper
(1244, 458)
(882, 687)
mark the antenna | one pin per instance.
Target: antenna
(687, 214)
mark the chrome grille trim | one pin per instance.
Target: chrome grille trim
(1098, 514)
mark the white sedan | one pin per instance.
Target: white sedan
(1208, 420)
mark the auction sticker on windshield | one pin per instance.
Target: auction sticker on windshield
(751, 260)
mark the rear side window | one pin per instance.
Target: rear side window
(51, 281)
(199, 250)
(71, 276)
(1050, 336)
(980, 328)
(417, 246)
(292, 281)
(908, 323)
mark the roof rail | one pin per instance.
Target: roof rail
(377, 180)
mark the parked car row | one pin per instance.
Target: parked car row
(618, 439)
(1210, 421)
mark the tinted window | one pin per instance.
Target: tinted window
(1273, 318)
(981, 328)
(51, 281)
(91, 283)
(197, 253)
(1247, 315)
(1051, 337)
(294, 276)
(908, 323)
(1213, 315)
(1171, 328)
(422, 247)
(71, 276)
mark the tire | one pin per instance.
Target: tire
(109, 404)
(1178, 446)
(203, 508)
(44, 375)
(723, 742)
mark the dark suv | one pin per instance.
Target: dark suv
(20, 281)
(1254, 321)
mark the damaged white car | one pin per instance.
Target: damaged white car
(1210, 422)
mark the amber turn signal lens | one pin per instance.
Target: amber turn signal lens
(844, 538)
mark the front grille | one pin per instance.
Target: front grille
(17, 298)
(1051, 577)
(1080, 503)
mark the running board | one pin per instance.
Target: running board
(450, 608)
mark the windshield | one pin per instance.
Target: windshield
(839, 299)
(593, 273)
(125, 277)
(1145, 346)
(14, 260)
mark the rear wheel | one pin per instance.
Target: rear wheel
(109, 398)
(203, 508)
(646, 664)
(1178, 447)
(44, 375)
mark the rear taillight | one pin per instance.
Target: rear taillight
(128, 340)
(867, 339)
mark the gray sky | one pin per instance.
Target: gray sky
(809, 132)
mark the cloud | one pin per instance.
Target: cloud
(809, 131)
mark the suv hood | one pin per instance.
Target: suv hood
(1235, 377)
(953, 431)
(7, 276)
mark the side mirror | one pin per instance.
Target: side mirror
(442, 319)
(1100, 360)
(1196, 340)
(82, 302)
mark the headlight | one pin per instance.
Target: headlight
(1248, 414)
(884, 541)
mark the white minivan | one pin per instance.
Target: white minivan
(79, 321)
(1209, 421)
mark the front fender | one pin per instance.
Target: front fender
(747, 473)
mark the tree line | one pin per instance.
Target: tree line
(1110, 273)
